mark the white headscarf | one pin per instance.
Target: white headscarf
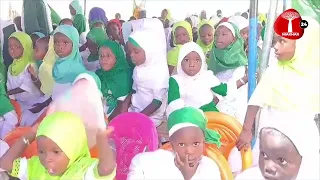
(195, 90)
(239, 21)
(301, 129)
(126, 30)
(153, 73)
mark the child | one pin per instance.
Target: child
(115, 76)
(66, 21)
(182, 33)
(228, 62)
(69, 65)
(188, 133)
(95, 38)
(19, 83)
(35, 36)
(79, 20)
(61, 156)
(8, 116)
(114, 31)
(283, 153)
(97, 18)
(280, 87)
(205, 40)
(194, 85)
(150, 75)
(40, 52)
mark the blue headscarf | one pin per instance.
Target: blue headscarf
(66, 69)
(97, 14)
(39, 34)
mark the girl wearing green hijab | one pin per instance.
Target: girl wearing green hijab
(95, 38)
(8, 116)
(115, 75)
(19, 83)
(228, 62)
(181, 34)
(61, 157)
(205, 36)
(79, 20)
(69, 65)
(187, 135)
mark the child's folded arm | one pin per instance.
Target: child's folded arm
(158, 97)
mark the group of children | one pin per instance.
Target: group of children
(173, 88)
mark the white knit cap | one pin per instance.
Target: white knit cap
(239, 21)
(229, 26)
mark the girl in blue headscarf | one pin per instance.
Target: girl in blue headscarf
(68, 68)
(97, 18)
(79, 20)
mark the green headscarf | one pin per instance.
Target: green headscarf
(231, 57)
(190, 115)
(92, 23)
(68, 132)
(6, 105)
(117, 81)
(76, 6)
(79, 22)
(205, 48)
(19, 65)
(98, 36)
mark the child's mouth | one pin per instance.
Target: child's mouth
(51, 171)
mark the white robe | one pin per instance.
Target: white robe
(27, 99)
(160, 165)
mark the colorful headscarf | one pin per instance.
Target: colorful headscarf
(192, 117)
(118, 23)
(76, 6)
(97, 14)
(56, 126)
(98, 36)
(79, 22)
(230, 57)
(169, 15)
(118, 80)
(19, 65)
(39, 34)
(205, 48)
(185, 25)
(66, 69)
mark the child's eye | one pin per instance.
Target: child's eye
(56, 152)
(40, 152)
(282, 161)
(196, 144)
(186, 60)
(264, 154)
(198, 60)
(181, 144)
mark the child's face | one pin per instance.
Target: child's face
(137, 54)
(40, 50)
(279, 159)
(191, 63)
(188, 141)
(181, 35)
(15, 48)
(62, 45)
(223, 37)
(107, 58)
(67, 22)
(245, 33)
(51, 156)
(206, 34)
(72, 10)
(34, 39)
(113, 31)
(93, 47)
(164, 14)
(284, 48)
(98, 25)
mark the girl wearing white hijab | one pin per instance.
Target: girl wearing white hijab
(285, 152)
(194, 85)
(150, 75)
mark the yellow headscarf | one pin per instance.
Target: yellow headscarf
(205, 48)
(169, 16)
(68, 132)
(19, 65)
(262, 17)
(45, 70)
(174, 53)
(294, 84)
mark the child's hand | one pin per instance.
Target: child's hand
(185, 168)
(32, 72)
(104, 134)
